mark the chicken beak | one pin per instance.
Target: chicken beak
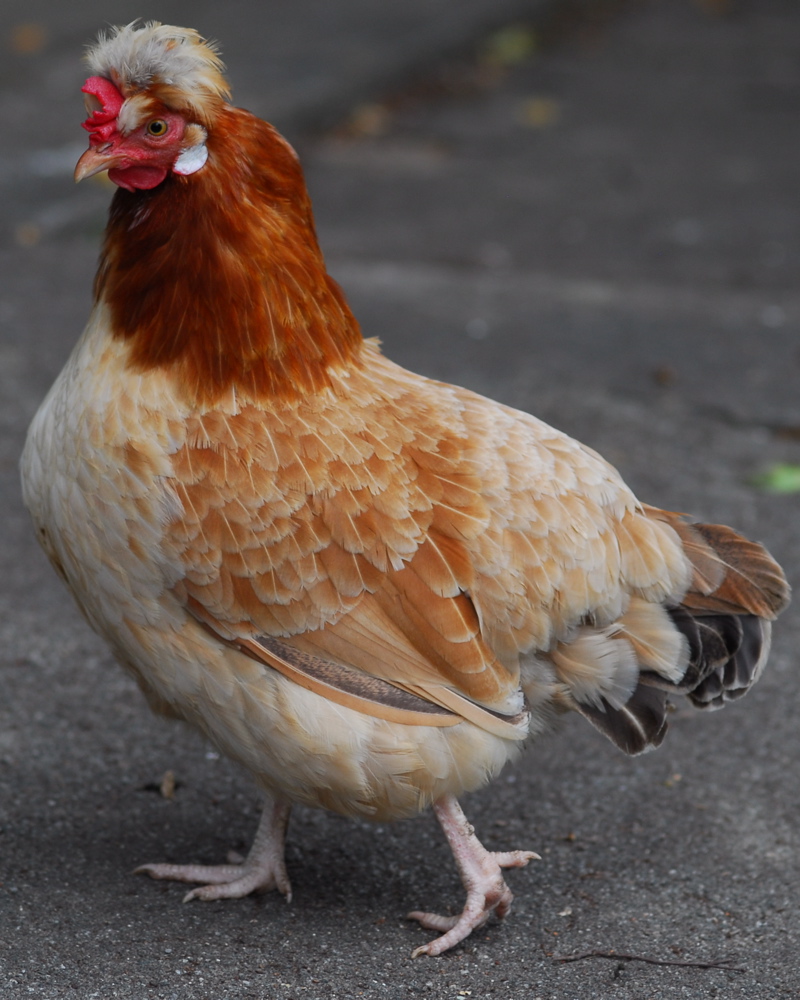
(96, 159)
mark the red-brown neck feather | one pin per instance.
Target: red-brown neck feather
(219, 276)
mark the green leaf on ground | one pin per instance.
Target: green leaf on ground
(782, 477)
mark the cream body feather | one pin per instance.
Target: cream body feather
(538, 517)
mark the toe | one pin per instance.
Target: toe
(227, 890)
(432, 921)
(515, 859)
(215, 874)
(479, 906)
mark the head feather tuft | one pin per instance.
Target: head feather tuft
(173, 65)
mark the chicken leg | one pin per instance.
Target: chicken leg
(481, 875)
(263, 869)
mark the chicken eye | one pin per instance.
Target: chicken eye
(157, 127)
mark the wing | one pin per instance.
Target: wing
(406, 531)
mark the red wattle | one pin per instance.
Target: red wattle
(139, 178)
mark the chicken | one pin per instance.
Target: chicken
(366, 587)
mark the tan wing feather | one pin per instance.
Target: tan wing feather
(413, 530)
(379, 645)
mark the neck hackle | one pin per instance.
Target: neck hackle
(218, 276)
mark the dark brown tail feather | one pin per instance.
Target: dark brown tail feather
(728, 626)
(640, 724)
(737, 589)
(727, 654)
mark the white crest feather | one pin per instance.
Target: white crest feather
(176, 65)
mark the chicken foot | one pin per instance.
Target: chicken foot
(263, 869)
(481, 875)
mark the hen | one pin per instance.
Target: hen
(367, 587)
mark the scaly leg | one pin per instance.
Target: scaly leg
(480, 872)
(263, 869)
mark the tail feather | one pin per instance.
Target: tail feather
(752, 580)
(712, 639)
(640, 724)
(734, 678)
(727, 654)
(736, 590)
(730, 573)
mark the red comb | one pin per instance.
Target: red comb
(101, 124)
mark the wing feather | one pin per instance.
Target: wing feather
(422, 535)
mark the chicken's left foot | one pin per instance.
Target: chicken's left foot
(481, 873)
(263, 869)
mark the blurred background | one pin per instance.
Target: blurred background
(585, 208)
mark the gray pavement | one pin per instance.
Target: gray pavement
(606, 234)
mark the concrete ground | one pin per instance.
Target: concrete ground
(591, 215)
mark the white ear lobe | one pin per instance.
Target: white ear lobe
(191, 160)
